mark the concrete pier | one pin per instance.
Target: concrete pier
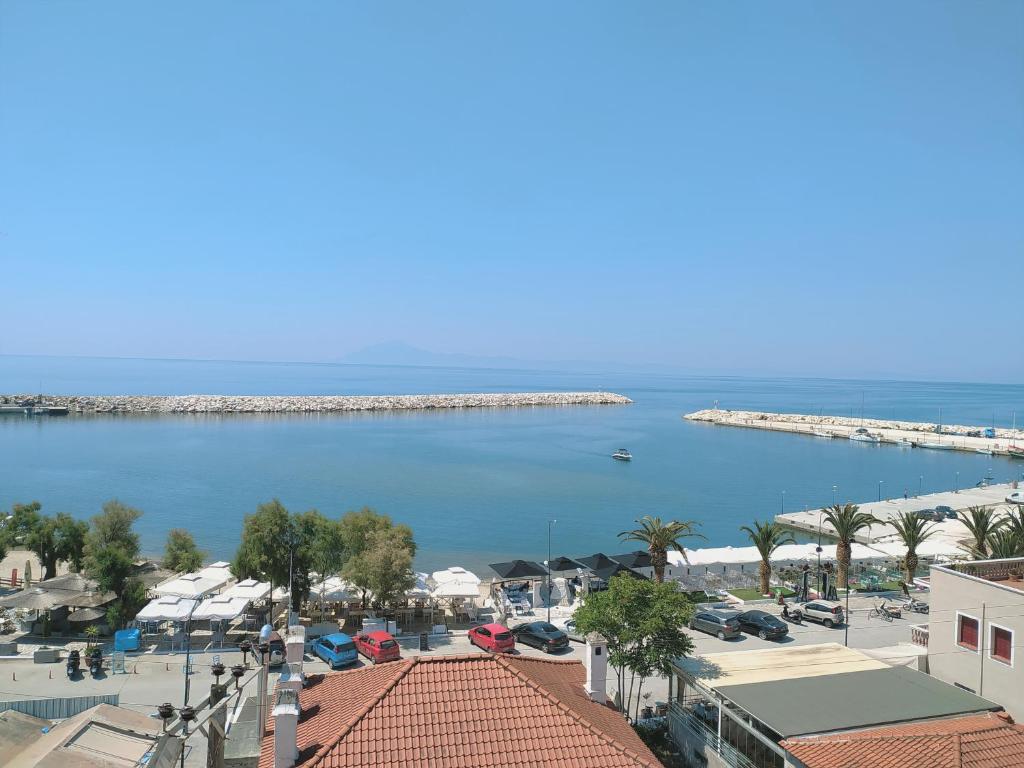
(903, 433)
(887, 509)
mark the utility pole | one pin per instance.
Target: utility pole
(548, 599)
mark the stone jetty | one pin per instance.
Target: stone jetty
(126, 404)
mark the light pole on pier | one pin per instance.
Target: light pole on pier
(548, 599)
(956, 488)
(834, 489)
(920, 484)
(880, 489)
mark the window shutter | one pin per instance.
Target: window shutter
(1002, 641)
(968, 632)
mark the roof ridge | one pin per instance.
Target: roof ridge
(581, 719)
(363, 711)
(958, 753)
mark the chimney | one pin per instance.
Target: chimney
(286, 728)
(295, 644)
(596, 664)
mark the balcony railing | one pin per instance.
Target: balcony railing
(698, 732)
(919, 634)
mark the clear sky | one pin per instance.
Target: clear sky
(819, 188)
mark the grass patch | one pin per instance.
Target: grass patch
(885, 586)
(755, 594)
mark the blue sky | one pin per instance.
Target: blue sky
(803, 188)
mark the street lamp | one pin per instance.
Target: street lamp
(920, 483)
(880, 489)
(956, 488)
(550, 523)
(834, 489)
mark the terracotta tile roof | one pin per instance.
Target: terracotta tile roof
(460, 711)
(979, 741)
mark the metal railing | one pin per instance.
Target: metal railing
(919, 634)
(58, 709)
(699, 733)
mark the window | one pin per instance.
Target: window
(1001, 645)
(967, 632)
(484, 632)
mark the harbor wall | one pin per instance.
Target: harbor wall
(308, 404)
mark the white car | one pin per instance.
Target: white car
(1015, 497)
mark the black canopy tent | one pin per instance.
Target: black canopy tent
(637, 559)
(519, 569)
(596, 561)
(616, 569)
(564, 564)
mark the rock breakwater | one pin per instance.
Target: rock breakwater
(309, 404)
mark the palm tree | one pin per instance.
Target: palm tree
(912, 530)
(981, 524)
(848, 520)
(1004, 543)
(767, 537)
(660, 538)
(1014, 521)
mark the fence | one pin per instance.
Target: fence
(58, 709)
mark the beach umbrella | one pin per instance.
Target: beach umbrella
(455, 573)
(83, 615)
(597, 561)
(637, 559)
(456, 589)
(519, 569)
(420, 589)
(564, 564)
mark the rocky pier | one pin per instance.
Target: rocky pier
(127, 404)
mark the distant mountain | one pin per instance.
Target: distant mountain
(400, 353)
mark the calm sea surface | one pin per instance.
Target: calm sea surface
(475, 485)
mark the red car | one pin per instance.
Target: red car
(492, 637)
(378, 646)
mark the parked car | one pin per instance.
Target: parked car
(926, 514)
(276, 652)
(944, 512)
(378, 646)
(336, 649)
(542, 635)
(492, 637)
(574, 634)
(722, 624)
(1015, 497)
(824, 611)
(764, 625)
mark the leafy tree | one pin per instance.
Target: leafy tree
(767, 537)
(181, 552)
(356, 528)
(981, 524)
(51, 539)
(642, 622)
(383, 567)
(70, 536)
(848, 521)
(1005, 543)
(358, 532)
(912, 530)
(111, 547)
(660, 538)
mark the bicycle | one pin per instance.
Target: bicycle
(880, 613)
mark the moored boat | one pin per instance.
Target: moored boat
(622, 455)
(865, 438)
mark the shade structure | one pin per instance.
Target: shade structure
(454, 589)
(616, 569)
(84, 615)
(193, 585)
(279, 594)
(334, 589)
(420, 589)
(454, 573)
(250, 589)
(519, 569)
(221, 608)
(637, 559)
(597, 561)
(167, 608)
(564, 564)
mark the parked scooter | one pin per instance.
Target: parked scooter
(95, 661)
(916, 606)
(794, 616)
(74, 661)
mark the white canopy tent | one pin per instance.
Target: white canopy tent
(455, 573)
(167, 608)
(195, 585)
(334, 589)
(455, 589)
(221, 608)
(250, 589)
(742, 557)
(421, 589)
(930, 548)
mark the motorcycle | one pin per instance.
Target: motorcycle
(95, 662)
(794, 616)
(916, 606)
(74, 661)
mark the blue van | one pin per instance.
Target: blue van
(337, 650)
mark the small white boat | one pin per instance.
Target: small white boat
(861, 438)
(986, 451)
(936, 446)
(822, 433)
(622, 455)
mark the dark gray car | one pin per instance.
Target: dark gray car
(722, 624)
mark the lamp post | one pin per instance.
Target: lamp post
(818, 550)
(548, 599)
(880, 489)
(834, 489)
(956, 488)
(920, 484)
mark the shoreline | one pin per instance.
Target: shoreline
(103, 404)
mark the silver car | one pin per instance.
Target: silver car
(722, 624)
(825, 611)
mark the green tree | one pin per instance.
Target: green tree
(111, 547)
(642, 622)
(661, 537)
(912, 531)
(383, 568)
(181, 552)
(981, 524)
(767, 537)
(358, 530)
(71, 535)
(848, 521)
(51, 539)
(1005, 543)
